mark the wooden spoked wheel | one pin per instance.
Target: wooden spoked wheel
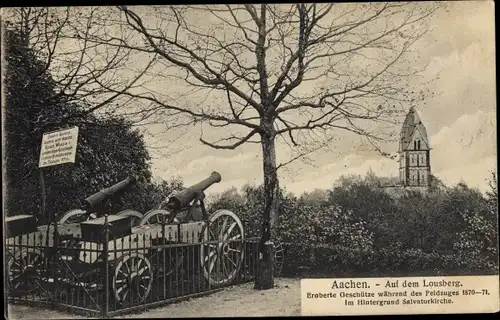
(132, 279)
(154, 216)
(74, 216)
(23, 271)
(221, 253)
(134, 215)
(279, 258)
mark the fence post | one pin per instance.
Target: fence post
(106, 266)
(162, 228)
(53, 263)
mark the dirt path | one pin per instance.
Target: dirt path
(242, 300)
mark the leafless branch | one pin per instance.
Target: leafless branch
(276, 70)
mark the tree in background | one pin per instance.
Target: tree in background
(146, 196)
(317, 196)
(109, 149)
(247, 204)
(80, 71)
(229, 198)
(476, 225)
(492, 218)
(24, 85)
(424, 227)
(492, 193)
(368, 203)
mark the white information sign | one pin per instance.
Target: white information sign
(58, 147)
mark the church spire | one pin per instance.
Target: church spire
(414, 148)
(413, 126)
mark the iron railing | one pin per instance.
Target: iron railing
(108, 276)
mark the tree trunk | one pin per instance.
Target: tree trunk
(264, 278)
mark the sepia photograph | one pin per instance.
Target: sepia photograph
(225, 160)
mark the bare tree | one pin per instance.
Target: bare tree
(84, 72)
(268, 72)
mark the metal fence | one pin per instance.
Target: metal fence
(109, 275)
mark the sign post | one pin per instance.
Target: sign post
(58, 147)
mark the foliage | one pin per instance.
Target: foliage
(477, 242)
(369, 204)
(146, 196)
(357, 229)
(109, 149)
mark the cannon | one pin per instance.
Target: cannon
(96, 204)
(187, 202)
(98, 200)
(183, 198)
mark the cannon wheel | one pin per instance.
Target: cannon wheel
(132, 279)
(23, 270)
(279, 257)
(136, 216)
(154, 216)
(73, 216)
(221, 261)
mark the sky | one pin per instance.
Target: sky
(460, 119)
(459, 115)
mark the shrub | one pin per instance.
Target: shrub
(358, 230)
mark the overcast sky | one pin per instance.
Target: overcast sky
(460, 120)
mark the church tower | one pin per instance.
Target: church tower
(414, 151)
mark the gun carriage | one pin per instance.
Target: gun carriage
(28, 244)
(218, 239)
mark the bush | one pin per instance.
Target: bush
(358, 230)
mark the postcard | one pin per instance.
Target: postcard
(249, 160)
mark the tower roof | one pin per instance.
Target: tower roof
(411, 125)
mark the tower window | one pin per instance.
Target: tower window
(414, 145)
(418, 144)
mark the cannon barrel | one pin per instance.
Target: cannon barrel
(182, 198)
(96, 200)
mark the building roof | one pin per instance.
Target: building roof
(411, 125)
